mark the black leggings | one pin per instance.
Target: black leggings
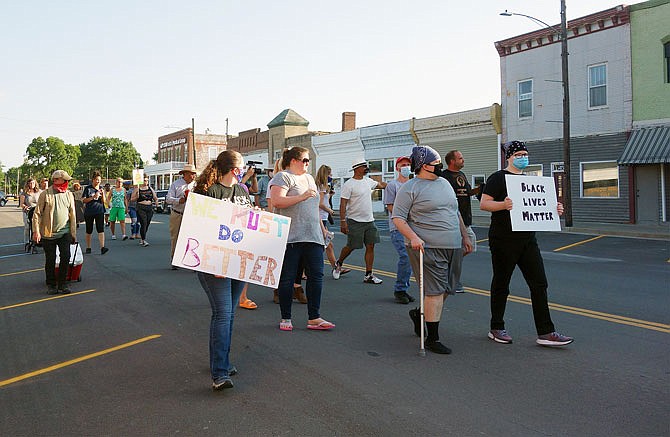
(144, 215)
(99, 223)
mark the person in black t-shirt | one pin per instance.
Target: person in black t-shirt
(94, 212)
(515, 248)
(459, 182)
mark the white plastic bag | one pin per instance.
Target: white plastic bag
(76, 255)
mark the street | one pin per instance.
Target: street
(127, 352)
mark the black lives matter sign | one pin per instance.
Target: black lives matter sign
(534, 203)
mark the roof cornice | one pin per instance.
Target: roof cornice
(596, 22)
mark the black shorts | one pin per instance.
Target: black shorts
(99, 223)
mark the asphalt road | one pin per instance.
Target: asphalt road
(126, 353)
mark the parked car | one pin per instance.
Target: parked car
(3, 198)
(162, 207)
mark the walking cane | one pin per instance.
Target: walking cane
(422, 350)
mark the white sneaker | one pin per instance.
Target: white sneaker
(372, 279)
(113, 237)
(336, 272)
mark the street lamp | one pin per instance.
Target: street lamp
(567, 188)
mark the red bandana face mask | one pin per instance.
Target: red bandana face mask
(60, 188)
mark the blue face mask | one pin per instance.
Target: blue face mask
(239, 177)
(520, 162)
(405, 171)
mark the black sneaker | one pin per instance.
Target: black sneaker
(409, 296)
(401, 297)
(64, 290)
(232, 371)
(88, 250)
(437, 347)
(51, 289)
(224, 383)
(415, 315)
(103, 250)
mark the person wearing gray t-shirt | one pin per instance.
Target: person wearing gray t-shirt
(294, 194)
(426, 214)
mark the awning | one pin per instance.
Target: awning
(647, 145)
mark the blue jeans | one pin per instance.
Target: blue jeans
(312, 255)
(134, 225)
(223, 295)
(404, 269)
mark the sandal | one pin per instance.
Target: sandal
(320, 325)
(248, 304)
(344, 271)
(286, 325)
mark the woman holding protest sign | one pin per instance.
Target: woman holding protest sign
(219, 180)
(294, 194)
(515, 248)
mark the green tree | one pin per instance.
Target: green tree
(111, 156)
(45, 156)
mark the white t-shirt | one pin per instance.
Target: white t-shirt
(359, 205)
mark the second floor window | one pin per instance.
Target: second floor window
(525, 93)
(666, 51)
(597, 85)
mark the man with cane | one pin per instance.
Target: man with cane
(426, 214)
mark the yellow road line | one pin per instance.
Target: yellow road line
(481, 241)
(76, 360)
(654, 326)
(22, 272)
(61, 296)
(579, 242)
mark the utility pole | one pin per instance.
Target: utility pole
(567, 187)
(193, 139)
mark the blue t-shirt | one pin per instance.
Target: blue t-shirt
(94, 207)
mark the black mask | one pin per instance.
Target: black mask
(437, 169)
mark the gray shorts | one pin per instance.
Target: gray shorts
(436, 264)
(361, 234)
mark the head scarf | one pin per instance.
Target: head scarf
(422, 155)
(511, 147)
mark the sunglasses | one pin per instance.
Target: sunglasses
(305, 160)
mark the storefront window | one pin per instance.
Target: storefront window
(600, 179)
(533, 170)
(390, 166)
(375, 166)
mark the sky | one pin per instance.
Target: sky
(139, 69)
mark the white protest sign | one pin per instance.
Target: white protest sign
(138, 176)
(534, 199)
(225, 239)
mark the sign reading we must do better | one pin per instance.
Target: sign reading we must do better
(225, 239)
